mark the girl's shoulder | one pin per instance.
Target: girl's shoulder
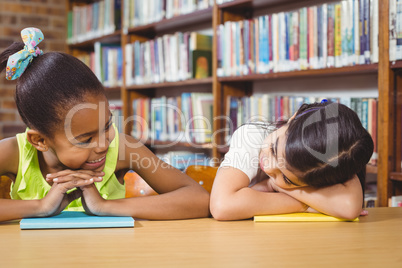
(254, 131)
(9, 156)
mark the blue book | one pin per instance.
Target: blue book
(367, 52)
(246, 46)
(119, 65)
(238, 67)
(75, 219)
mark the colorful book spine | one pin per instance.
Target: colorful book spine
(338, 36)
(241, 48)
(303, 61)
(275, 42)
(393, 29)
(288, 36)
(375, 29)
(220, 45)
(367, 52)
(398, 31)
(270, 44)
(331, 36)
(362, 31)
(356, 31)
(324, 36)
(319, 23)
(295, 40)
(310, 34)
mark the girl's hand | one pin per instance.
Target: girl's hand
(91, 200)
(57, 199)
(364, 212)
(79, 177)
(311, 210)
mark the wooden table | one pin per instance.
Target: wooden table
(375, 241)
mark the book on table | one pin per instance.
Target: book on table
(304, 216)
(76, 219)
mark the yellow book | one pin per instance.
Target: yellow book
(338, 36)
(299, 217)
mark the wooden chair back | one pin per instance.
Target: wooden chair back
(5, 184)
(204, 175)
(136, 186)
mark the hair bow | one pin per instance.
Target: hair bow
(18, 62)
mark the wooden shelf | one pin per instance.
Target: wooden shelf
(224, 150)
(396, 176)
(396, 64)
(349, 70)
(183, 83)
(179, 144)
(83, 1)
(371, 169)
(150, 30)
(233, 5)
(244, 5)
(89, 44)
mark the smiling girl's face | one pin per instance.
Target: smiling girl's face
(273, 161)
(85, 138)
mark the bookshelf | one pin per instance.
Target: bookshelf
(91, 22)
(194, 19)
(212, 16)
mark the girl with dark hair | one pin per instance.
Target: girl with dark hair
(315, 162)
(71, 141)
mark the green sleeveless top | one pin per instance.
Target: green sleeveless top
(30, 184)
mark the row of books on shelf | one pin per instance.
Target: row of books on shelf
(86, 22)
(370, 200)
(395, 201)
(395, 30)
(139, 12)
(185, 118)
(370, 192)
(182, 159)
(329, 35)
(171, 57)
(271, 108)
(106, 62)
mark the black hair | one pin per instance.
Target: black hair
(53, 83)
(327, 144)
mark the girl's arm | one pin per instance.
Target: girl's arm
(232, 199)
(55, 201)
(180, 197)
(52, 204)
(18, 209)
(9, 158)
(340, 200)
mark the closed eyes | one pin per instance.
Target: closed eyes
(273, 148)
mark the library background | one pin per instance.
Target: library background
(182, 75)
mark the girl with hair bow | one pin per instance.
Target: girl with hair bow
(71, 155)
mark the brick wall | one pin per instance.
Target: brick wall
(47, 15)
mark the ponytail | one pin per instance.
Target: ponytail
(12, 49)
